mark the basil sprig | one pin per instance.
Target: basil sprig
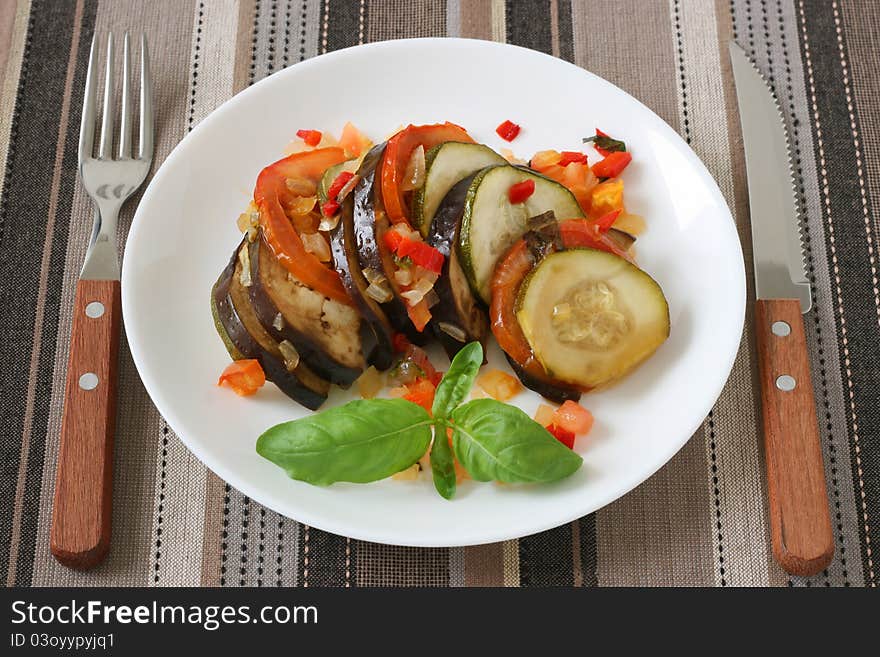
(606, 143)
(371, 439)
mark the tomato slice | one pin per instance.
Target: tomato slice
(586, 233)
(397, 153)
(244, 377)
(271, 191)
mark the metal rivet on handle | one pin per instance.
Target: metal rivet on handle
(781, 329)
(88, 381)
(786, 383)
(95, 309)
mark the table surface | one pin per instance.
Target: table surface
(701, 520)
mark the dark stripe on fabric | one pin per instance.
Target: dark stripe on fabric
(324, 559)
(343, 22)
(862, 351)
(528, 24)
(566, 32)
(545, 559)
(589, 553)
(20, 258)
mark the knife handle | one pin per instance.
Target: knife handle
(800, 525)
(80, 534)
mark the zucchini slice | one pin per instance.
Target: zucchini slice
(591, 316)
(491, 224)
(245, 337)
(329, 176)
(445, 165)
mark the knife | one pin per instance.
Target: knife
(800, 524)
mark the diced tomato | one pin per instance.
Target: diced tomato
(398, 151)
(393, 240)
(244, 377)
(606, 197)
(436, 377)
(508, 130)
(544, 159)
(421, 254)
(520, 191)
(329, 208)
(601, 151)
(271, 192)
(613, 164)
(419, 315)
(338, 183)
(421, 392)
(606, 221)
(499, 385)
(420, 357)
(353, 141)
(562, 435)
(310, 137)
(573, 417)
(400, 343)
(567, 157)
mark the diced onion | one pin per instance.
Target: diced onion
(289, 354)
(409, 474)
(413, 296)
(544, 415)
(278, 322)
(245, 259)
(370, 383)
(424, 285)
(403, 277)
(453, 331)
(301, 186)
(346, 189)
(414, 176)
(432, 298)
(374, 276)
(500, 385)
(316, 244)
(379, 293)
(244, 221)
(252, 233)
(423, 274)
(329, 223)
(301, 205)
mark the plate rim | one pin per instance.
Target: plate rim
(377, 534)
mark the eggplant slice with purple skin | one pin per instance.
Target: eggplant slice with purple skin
(325, 332)
(458, 318)
(376, 330)
(245, 337)
(370, 223)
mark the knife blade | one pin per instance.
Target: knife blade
(800, 523)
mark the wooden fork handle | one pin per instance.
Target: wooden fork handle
(80, 535)
(800, 525)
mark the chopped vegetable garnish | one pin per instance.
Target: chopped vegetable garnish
(421, 392)
(573, 417)
(606, 221)
(613, 165)
(567, 157)
(562, 435)
(353, 141)
(519, 192)
(605, 144)
(508, 130)
(400, 343)
(329, 208)
(500, 385)
(544, 415)
(418, 252)
(310, 137)
(606, 197)
(244, 377)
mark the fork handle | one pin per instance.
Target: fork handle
(800, 526)
(80, 534)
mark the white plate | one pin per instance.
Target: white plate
(184, 231)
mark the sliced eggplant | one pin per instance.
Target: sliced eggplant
(376, 331)
(245, 337)
(325, 332)
(623, 240)
(458, 317)
(551, 389)
(445, 165)
(491, 223)
(370, 223)
(591, 316)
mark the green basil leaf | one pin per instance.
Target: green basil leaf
(498, 441)
(442, 463)
(362, 441)
(458, 380)
(606, 143)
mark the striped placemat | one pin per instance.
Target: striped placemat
(701, 520)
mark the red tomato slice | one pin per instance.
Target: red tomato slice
(397, 153)
(271, 191)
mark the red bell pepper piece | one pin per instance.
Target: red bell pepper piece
(244, 377)
(310, 137)
(393, 240)
(421, 254)
(601, 151)
(338, 183)
(605, 222)
(329, 208)
(613, 165)
(564, 436)
(567, 157)
(521, 191)
(508, 130)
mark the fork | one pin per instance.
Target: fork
(81, 515)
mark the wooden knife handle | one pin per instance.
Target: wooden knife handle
(800, 524)
(80, 535)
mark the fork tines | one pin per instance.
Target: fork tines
(89, 115)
